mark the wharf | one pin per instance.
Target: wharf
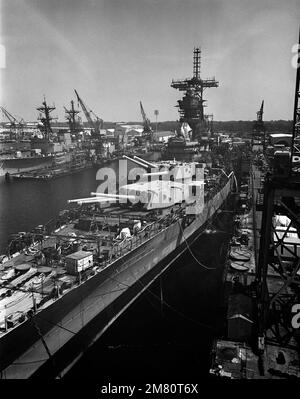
(237, 357)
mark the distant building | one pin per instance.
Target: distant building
(281, 138)
(110, 133)
(124, 134)
(163, 137)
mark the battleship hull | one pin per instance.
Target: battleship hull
(72, 322)
(18, 165)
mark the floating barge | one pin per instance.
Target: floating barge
(51, 173)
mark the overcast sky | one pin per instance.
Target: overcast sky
(118, 52)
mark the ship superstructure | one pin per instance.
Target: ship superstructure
(195, 133)
(191, 106)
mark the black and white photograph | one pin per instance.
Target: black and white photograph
(149, 194)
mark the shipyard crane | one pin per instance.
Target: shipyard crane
(260, 112)
(277, 257)
(259, 131)
(93, 124)
(146, 122)
(14, 123)
(9, 116)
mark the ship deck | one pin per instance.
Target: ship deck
(19, 291)
(45, 283)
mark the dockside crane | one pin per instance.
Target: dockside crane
(146, 122)
(259, 131)
(16, 126)
(278, 255)
(96, 123)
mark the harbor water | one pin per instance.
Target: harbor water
(25, 204)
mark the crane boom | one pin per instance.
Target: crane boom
(16, 125)
(260, 112)
(146, 121)
(9, 116)
(94, 125)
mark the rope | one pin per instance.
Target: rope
(164, 302)
(188, 247)
(176, 310)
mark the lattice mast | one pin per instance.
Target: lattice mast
(71, 116)
(191, 107)
(46, 119)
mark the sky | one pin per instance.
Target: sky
(116, 53)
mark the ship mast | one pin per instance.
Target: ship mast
(191, 107)
(46, 119)
(71, 117)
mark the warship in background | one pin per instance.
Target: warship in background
(35, 147)
(47, 150)
(16, 150)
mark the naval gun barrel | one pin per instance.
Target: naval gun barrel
(164, 172)
(144, 165)
(146, 162)
(90, 199)
(114, 196)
